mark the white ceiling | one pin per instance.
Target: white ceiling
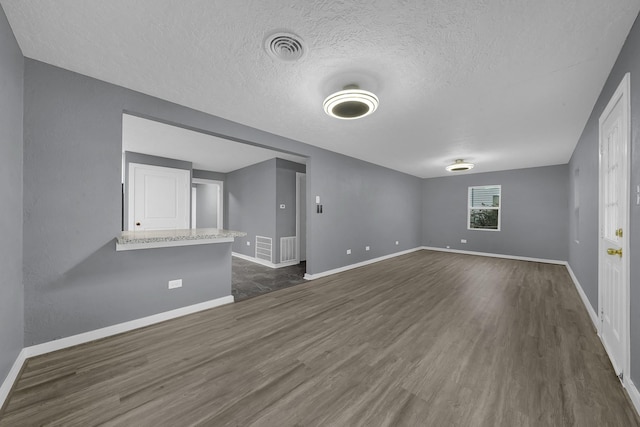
(206, 152)
(502, 83)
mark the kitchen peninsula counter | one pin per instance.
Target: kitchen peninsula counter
(147, 239)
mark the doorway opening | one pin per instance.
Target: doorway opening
(209, 181)
(207, 203)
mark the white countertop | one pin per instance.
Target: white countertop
(145, 239)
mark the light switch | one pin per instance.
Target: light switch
(317, 199)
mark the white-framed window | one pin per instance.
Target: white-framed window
(483, 211)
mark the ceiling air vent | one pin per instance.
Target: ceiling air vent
(285, 46)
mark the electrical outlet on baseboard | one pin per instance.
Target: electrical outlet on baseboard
(463, 240)
(366, 248)
(348, 251)
(397, 242)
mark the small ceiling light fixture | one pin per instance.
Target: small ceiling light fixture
(350, 103)
(459, 166)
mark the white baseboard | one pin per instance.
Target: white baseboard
(583, 296)
(429, 248)
(12, 376)
(263, 262)
(48, 347)
(488, 254)
(592, 313)
(634, 395)
(359, 264)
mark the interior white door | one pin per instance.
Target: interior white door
(159, 197)
(613, 286)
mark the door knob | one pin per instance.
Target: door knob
(612, 251)
(138, 224)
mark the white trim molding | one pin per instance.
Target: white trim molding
(359, 264)
(264, 262)
(634, 395)
(428, 248)
(108, 331)
(48, 347)
(12, 376)
(592, 313)
(488, 254)
(587, 305)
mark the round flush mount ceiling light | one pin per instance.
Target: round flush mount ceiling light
(459, 166)
(350, 103)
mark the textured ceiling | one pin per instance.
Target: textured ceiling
(503, 83)
(206, 152)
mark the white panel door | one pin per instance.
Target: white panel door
(613, 285)
(159, 197)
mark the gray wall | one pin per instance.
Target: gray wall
(202, 174)
(251, 203)
(583, 256)
(11, 107)
(287, 164)
(74, 279)
(72, 199)
(206, 205)
(285, 194)
(534, 209)
(363, 205)
(146, 159)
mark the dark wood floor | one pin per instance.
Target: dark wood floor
(426, 339)
(249, 279)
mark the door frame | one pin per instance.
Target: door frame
(299, 203)
(194, 201)
(623, 94)
(220, 196)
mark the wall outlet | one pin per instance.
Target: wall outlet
(366, 248)
(448, 247)
(175, 283)
(248, 243)
(348, 251)
(397, 243)
(463, 240)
